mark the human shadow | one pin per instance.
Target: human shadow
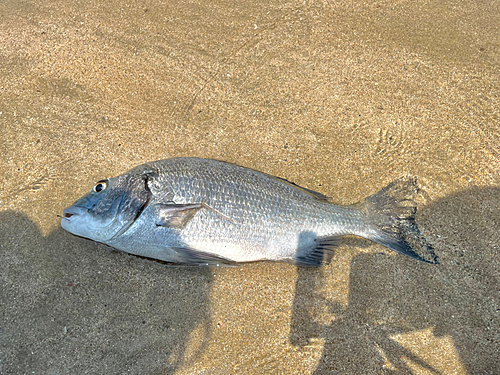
(70, 305)
(392, 296)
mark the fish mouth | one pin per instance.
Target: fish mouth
(71, 213)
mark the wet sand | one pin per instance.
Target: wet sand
(338, 97)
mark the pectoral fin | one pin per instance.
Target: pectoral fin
(175, 215)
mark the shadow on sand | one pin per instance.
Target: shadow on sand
(70, 305)
(393, 296)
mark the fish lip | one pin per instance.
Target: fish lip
(73, 212)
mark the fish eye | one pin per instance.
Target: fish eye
(100, 186)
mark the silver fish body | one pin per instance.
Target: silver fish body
(202, 211)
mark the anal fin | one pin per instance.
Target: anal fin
(319, 254)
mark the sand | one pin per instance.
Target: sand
(340, 97)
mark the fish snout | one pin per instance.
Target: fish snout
(72, 212)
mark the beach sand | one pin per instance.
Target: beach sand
(339, 97)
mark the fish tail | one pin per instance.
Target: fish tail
(391, 217)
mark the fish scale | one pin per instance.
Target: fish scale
(249, 199)
(203, 211)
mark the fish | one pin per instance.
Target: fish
(196, 211)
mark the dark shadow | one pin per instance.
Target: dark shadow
(70, 305)
(391, 295)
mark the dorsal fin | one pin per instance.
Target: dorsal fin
(313, 193)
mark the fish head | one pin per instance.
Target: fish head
(109, 209)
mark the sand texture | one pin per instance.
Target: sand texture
(341, 97)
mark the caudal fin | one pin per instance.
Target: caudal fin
(391, 215)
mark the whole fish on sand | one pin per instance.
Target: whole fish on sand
(209, 212)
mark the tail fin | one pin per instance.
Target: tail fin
(391, 214)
